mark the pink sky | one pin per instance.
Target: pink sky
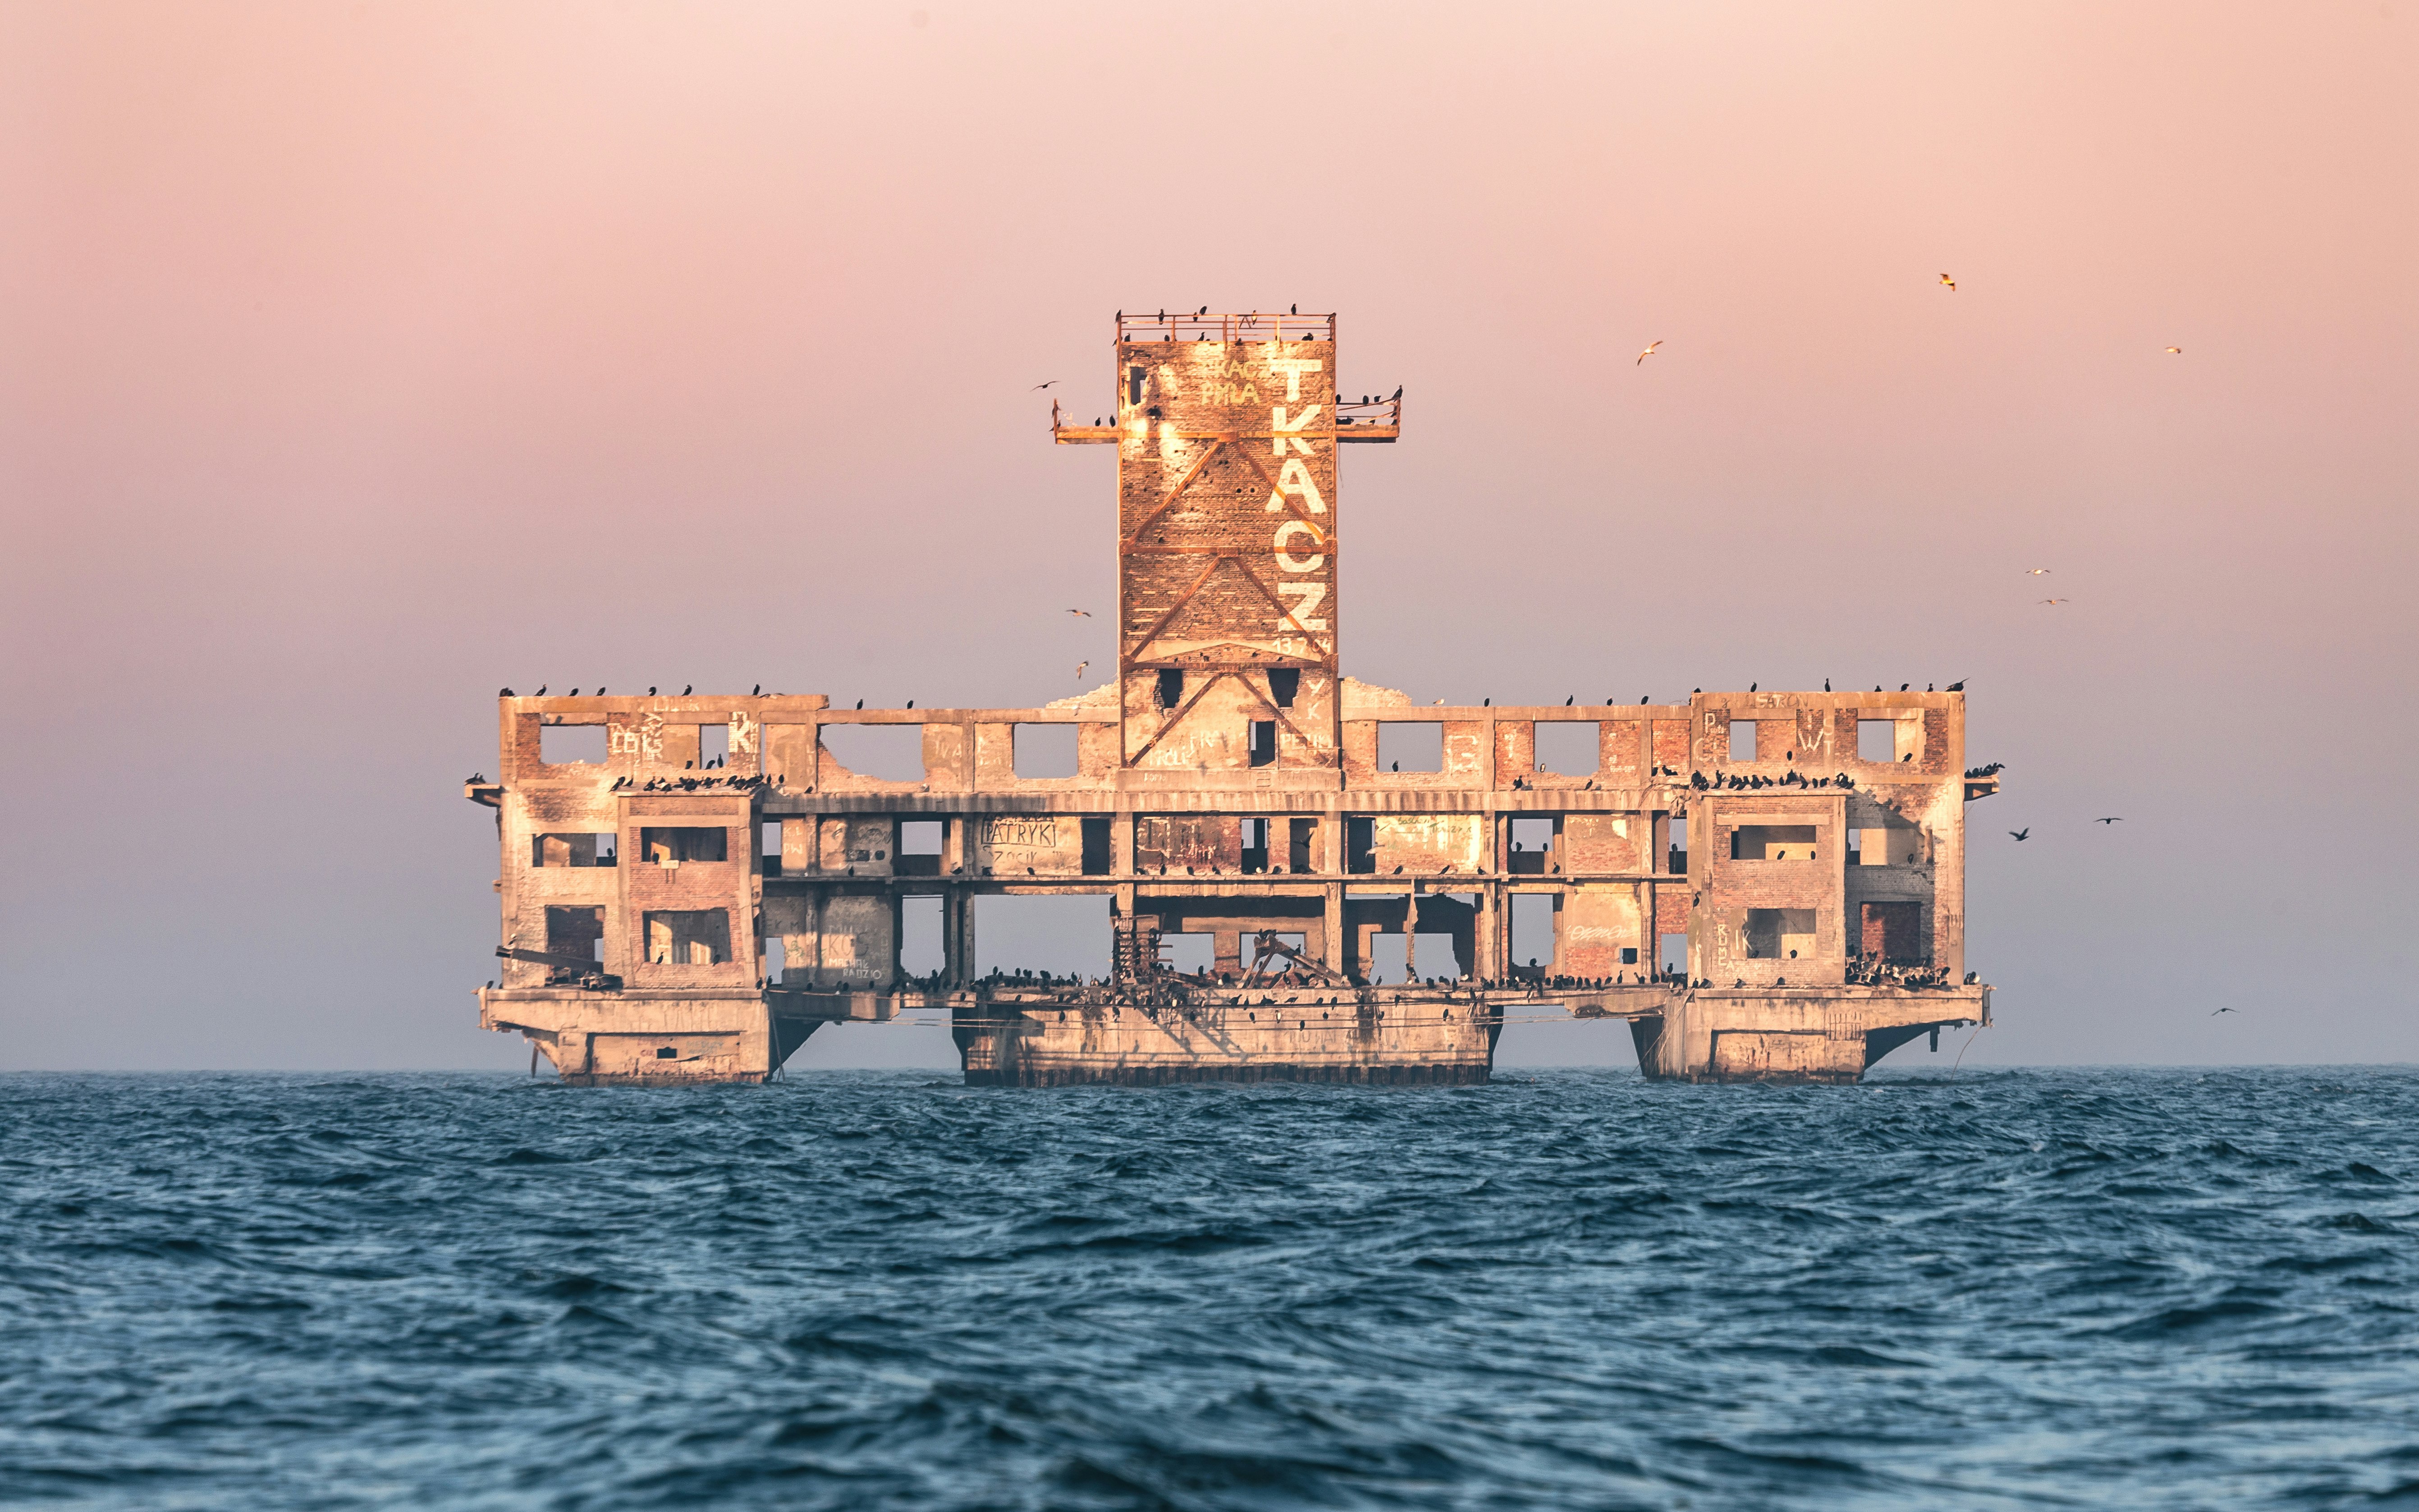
(357, 359)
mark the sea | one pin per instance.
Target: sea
(1569, 1289)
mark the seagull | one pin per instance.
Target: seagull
(2021, 834)
(1647, 353)
(2179, 351)
(1037, 387)
(2216, 1011)
(1084, 612)
(1079, 669)
(1951, 281)
(2036, 572)
(2112, 819)
(2057, 601)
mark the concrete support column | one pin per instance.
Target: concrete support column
(1333, 937)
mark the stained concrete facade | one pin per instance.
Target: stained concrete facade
(1803, 853)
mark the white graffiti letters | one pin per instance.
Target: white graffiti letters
(1287, 560)
(1280, 424)
(1308, 596)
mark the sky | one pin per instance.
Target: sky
(358, 358)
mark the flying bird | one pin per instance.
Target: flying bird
(2179, 351)
(1957, 687)
(2023, 834)
(2112, 819)
(1039, 386)
(1084, 612)
(1647, 353)
(2216, 1011)
(2036, 572)
(2057, 601)
(1951, 281)
(1079, 669)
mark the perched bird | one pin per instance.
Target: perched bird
(651, 690)
(2021, 834)
(1079, 669)
(1203, 310)
(1647, 353)
(1750, 688)
(1644, 697)
(1397, 767)
(756, 692)
(911, 703)
(1901, 687)
(686, 688)
(541, 690)
(2112, 819)
(574, 692)
(861, 703)
(1294, 310)
(1084, 613)
(506, 693)
(1951, 281)
(1396, 396)
(1568, 702)
(1039, 386)
(1827, 685)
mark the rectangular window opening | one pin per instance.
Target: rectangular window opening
(1672, 953)
(659, 844)
(921, 953)
(1264, 742)
(1303, 835)
(776, 959)
(1567, 747)
(1675, 860)
(1532, 933)
(918, 853)
(1061, 935)
(1255, 845)
(1533, 845)
(768, 843)
(1629, 955)
(560, 743)
(1134, 378)
(1284, 684)
(1877, 740)
(885, 753)
(1188, 953)
(575, 849)
(1411, 748)
(1773, 842)
(1779, 933)
(688, 938)
(1742, 740)
(1042, 750)
(712, 746)
(1096, 858)
(1433, 955)
(577, 930)
(1171, 687)
(1892, 932)
(1360, 844)
(1389, 959)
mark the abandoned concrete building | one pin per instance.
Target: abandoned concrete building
(1762, 884)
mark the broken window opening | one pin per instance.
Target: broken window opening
(1043, 751)
(676, 843)
(1171, 687)
(1779, 933)
(885, 753)
(1568, 748)
(1675, 859)
(1773, 842)
(1411, 748)
(777, 958)
(1672, 952)
(769, 845)
(921, 950)
(1098, 859)
(1285, 683)
(1264, 742)
(1877, 740)
(1135, 379)
(1188, 953)
(1742, 740)
(1629, 955)
(1432, 954)
(578, 849)
(1359, 842)
(918, 853)
(688, 938)
(1303, 835)
(559, 745)
(1389, 959)
(712, 746)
